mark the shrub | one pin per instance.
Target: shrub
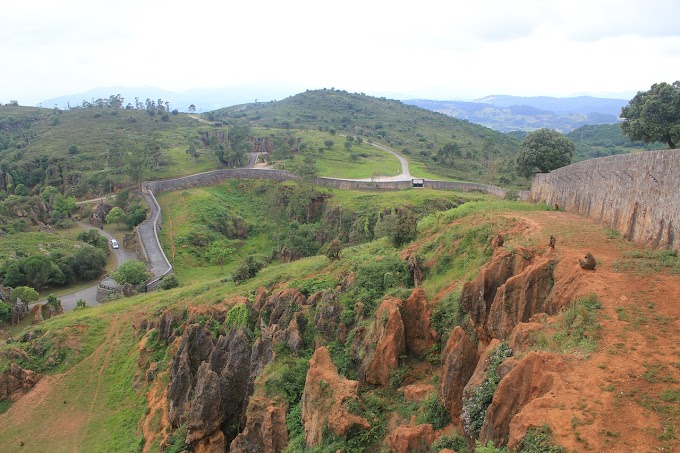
(248, 268)
(447, 314)
(315, 284)
(577, 331)
(238, 317)
(539, 440)
(80, 304)
(53, 302)
(455, 443)
(25, 293)
(4, 312)
(474, 408)
(512, 195)
(132, 272)
(435, 413)
(397, 377)
(169, 282)
(176, 441)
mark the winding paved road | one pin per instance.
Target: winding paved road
(405, 173)
(89, 294)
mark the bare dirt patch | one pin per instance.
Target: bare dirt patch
(624, 396)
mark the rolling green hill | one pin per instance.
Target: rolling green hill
(82, 151)
(605, 140)
(475, 153)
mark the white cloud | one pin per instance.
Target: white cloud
(421, 49)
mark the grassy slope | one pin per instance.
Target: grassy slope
(338, 162)
(41, 139)
(605, 140)
(101, 410)
(417, 132)
(250, 200)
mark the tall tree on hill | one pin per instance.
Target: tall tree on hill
(136, 163)
(234, 152)
(654, 115)
(542, 151)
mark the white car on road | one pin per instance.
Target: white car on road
(114, 243)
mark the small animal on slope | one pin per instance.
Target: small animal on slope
(588, 262)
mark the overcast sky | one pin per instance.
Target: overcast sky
(442, 49)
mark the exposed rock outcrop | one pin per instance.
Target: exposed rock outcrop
(16, 381)
(519, 298)
(280, 306)
(265, 430)
(327, 317)
(216, 443)
(411, 438)
(459, 360)
(478, 295)
(388, 338)
(414, 270)
(323, 402)
(509, 290)
(533, 377)
(195, 347)
(205, 415)
(416, 316)
(520, 338)
(417, 392)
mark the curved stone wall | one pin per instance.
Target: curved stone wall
(636, 194)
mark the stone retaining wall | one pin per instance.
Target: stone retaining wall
(216, 176)
(636, 194)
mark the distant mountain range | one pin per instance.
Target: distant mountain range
(512, 113)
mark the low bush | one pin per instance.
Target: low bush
(474, 407)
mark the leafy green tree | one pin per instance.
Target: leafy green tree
(328, 143)
(40, 271)
(5, 312)
(192, 108)
(12, 274)
(169, 282)
(334, 249)
(542, 151)
(136, 163)
(25, 293)
(306, 169)
(73, 149)
(247, 268)
(53, 301)
(191, 151)
(20, 190)
(93, 238)
(220, 255)
(133, 272)
(239, 145)
(448, 153)
(89, 262)
(115, 215)
(654, 115)
(62, 206)
(400, 227)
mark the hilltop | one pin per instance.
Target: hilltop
(474, 153)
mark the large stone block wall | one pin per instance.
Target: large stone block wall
(216, 176)
(636, 194)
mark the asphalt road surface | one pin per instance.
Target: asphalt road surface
(89, 294)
